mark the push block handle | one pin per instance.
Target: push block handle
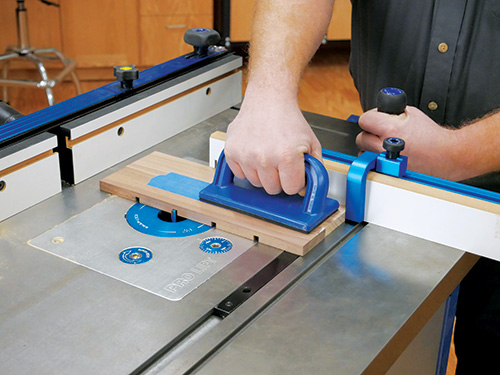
(292, 211)
(316, 179)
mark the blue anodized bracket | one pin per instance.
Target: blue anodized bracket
(392, 167)
(356, 180)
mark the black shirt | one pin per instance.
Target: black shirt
(444, 53)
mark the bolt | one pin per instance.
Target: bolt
(57, 240)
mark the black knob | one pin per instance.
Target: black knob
(201, 39)
(126, 74)
(393, 146)
(391, 100)
(8, 114)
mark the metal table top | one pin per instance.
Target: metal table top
(59, 317)
(355, 311)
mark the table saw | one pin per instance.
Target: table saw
(91, 282)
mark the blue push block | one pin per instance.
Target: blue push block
(292, 211)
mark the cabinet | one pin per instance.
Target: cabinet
(98, 34)
(241, 12)
(340, 25)
(163, 23)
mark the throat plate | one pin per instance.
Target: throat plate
(175, 266)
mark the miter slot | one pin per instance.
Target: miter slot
(223, 331)
(209, 322)
(178, 347)
(252, 285)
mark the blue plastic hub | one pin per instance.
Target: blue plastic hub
(158, 223)
(216, 245)
(136, 255)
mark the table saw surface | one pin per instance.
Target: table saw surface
(352, 304)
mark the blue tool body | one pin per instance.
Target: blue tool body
(356, 186)
(293, 211)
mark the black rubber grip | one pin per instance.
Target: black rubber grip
(391, 100)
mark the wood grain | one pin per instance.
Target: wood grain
(175, 7)
(132, 183)
(26, 162)
(100, 33)
(162, 37)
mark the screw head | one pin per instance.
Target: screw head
(393, 146)
(57, 240)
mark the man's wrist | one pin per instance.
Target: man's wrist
(270, 94)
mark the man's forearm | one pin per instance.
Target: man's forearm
(267, 140)
(285, 35)
(478, 146)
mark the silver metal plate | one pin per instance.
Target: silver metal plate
(96, 237)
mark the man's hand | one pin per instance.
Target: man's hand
(267, 141)
(266, 144)
(431, 148)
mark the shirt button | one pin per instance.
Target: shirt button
(443, 47)
(432, 106)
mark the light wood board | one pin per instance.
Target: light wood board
(132, 183)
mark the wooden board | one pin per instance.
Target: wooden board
(132, 183)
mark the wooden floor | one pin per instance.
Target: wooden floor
(326, 88)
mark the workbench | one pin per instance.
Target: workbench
(365, 300)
